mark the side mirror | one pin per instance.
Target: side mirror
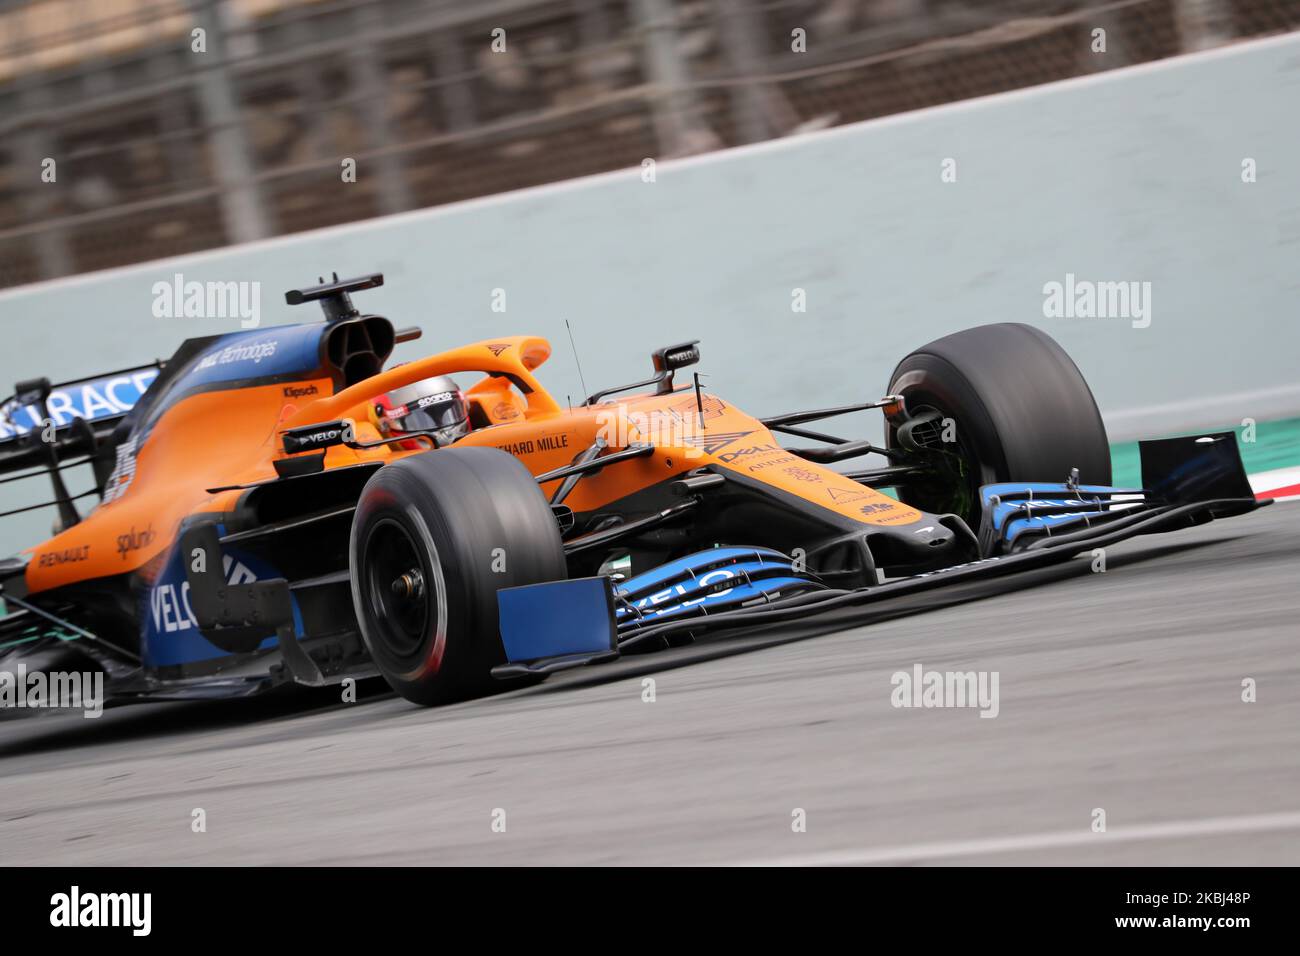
(672, 357)
(666, 361)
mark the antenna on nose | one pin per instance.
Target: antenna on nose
(576, 361)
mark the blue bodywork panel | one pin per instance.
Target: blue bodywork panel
(557, 619)
(274, 351)
(169, 632)
(238, 359)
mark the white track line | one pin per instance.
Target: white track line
(1280, 478)
(917, 852)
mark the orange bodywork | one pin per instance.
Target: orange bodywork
(232, 436)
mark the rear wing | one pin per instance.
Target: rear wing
(95, 398)
(49, 428)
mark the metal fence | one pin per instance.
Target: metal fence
(134, 129)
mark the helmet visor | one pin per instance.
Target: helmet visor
(430, 413)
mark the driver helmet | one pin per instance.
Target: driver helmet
(435, 405)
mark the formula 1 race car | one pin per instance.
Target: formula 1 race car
(257, 526)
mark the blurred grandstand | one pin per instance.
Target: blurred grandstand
(161, 148)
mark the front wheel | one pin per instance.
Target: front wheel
(434, 537)
(1008, 405)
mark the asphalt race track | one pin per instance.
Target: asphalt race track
(1120, 691)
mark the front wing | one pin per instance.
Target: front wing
(1024, 526)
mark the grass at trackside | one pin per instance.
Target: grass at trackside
(1276, 445)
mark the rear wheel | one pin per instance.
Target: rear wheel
(1009, 405)
(434, 537)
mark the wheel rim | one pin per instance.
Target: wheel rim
(402, 601)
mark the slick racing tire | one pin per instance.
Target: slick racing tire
(434, 537)
(1019, 409)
